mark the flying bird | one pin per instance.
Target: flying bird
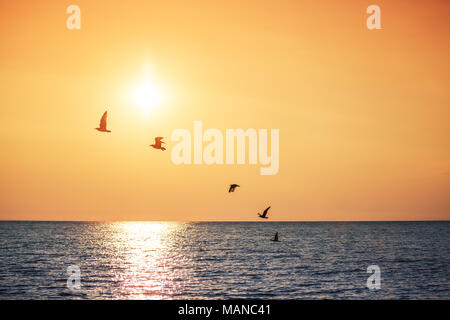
(264, 214)
(232, 187)
(275, 238)
(102, 126)
(157, 144)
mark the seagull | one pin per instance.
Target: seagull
(275, 238)
(264, 215)
(157, 144)
(102, 126)
(232, 187)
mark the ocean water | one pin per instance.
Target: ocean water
(224, 260)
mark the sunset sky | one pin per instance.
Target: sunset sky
(364, 115)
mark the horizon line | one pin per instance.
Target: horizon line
(200, 221)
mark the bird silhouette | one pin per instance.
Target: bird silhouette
(264, 214)
(157, 144)
(102, 126)
(275, 238)
(233, 187)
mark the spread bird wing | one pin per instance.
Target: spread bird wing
(103, 120)
(158, 139)
(265, 211)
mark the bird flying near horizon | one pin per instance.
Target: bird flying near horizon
(264, 214)
(275, 238)
(233, 187)
(157, 144)
(102, 126)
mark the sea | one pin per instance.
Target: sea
(224, 260)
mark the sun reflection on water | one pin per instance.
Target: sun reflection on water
(151, 259)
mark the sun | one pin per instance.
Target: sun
(147, 96)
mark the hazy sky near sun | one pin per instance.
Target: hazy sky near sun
(364, 116)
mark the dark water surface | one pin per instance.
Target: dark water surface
(224, 260)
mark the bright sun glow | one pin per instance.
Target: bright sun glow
(147, 96)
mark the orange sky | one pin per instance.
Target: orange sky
(364, 116)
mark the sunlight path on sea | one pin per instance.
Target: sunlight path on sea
(150, 260)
